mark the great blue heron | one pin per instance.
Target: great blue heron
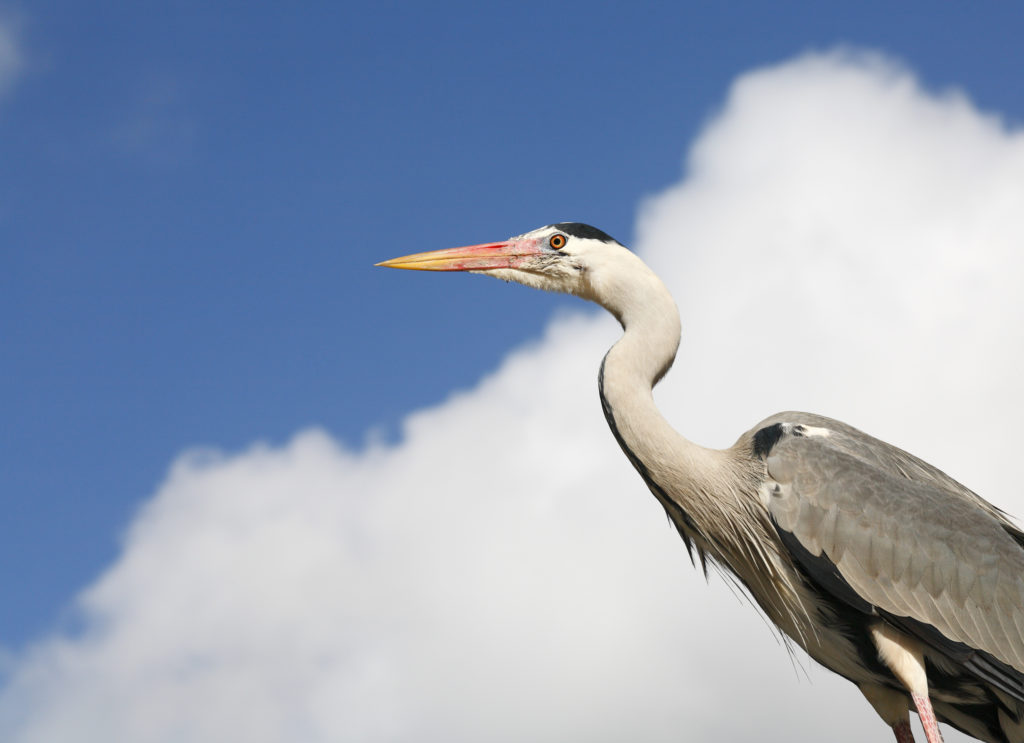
(883, 568)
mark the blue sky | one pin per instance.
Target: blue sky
(193, 195)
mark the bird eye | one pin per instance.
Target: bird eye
(557, 242)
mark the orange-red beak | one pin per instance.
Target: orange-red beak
(508, 254)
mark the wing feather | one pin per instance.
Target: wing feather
(907, 539)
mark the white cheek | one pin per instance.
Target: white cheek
(528, 278)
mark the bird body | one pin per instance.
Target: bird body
(881, 567)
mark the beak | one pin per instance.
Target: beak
(508, 254)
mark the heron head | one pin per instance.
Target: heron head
(565, 257)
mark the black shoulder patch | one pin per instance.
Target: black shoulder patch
(766, 438)
(578, 229)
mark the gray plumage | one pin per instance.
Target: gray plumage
(884, 569)
(917, 548)
(906, 537)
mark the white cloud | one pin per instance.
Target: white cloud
(843, 242)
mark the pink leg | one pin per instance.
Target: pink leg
(927, 715)
(903, 732)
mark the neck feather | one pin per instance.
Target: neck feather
(680, 473)
(709, 494)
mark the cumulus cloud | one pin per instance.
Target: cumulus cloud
(842, 241)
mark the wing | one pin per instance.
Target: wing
(886, 533)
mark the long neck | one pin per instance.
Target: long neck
(682, 474)
(710, 494)
(631, 368)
